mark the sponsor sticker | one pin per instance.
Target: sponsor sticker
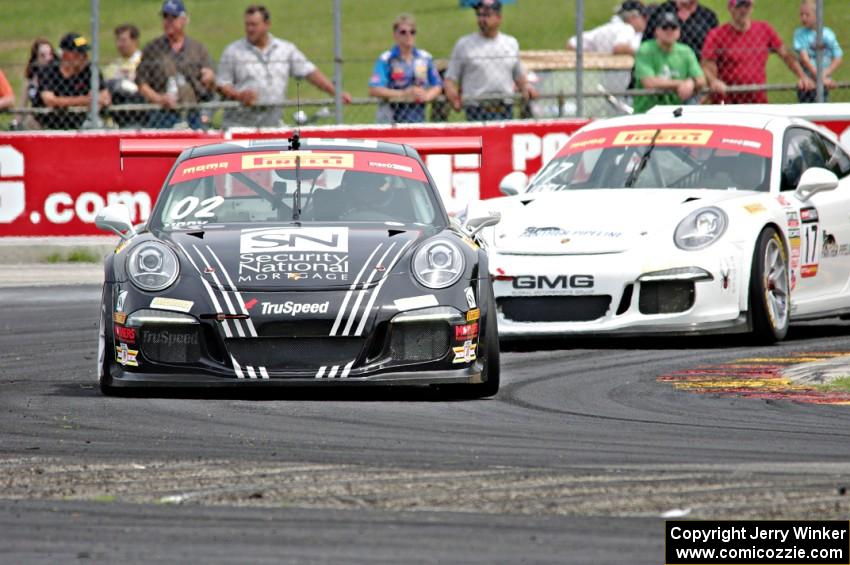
(470, 297)
(465, 353)
(665, 136)
(473, 315)
(119, 303)
(286, 160)
(290, 308)
(809, 215)
(754, 208)
(125, 334)
(391, 166)
(119, 317)
(126, 356)
(807, 271)
(273, 240)
(414, 302)
(174, 304)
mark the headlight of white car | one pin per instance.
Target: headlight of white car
(700, 228)
(438, 264)
(152, 266)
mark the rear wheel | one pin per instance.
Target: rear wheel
(770, 298)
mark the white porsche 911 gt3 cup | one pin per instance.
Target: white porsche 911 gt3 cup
(676, 222)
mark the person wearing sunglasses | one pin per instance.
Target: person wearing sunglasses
(485, 70)
(404, 77)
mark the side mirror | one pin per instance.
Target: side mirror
(513, 183)
(116, 218)
(475, 225)
(813, 180)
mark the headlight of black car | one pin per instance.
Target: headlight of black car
(152, 266)
(438, 264)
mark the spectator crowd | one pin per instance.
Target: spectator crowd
(681, 50)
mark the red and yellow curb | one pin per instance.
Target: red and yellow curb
(758, 377)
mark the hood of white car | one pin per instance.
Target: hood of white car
(578, 222)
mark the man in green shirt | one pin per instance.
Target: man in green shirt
(664, 64)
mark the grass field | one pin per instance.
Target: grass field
(366, 24)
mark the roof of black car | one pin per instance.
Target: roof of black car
(307, 143)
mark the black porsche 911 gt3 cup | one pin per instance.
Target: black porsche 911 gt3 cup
(289, 263)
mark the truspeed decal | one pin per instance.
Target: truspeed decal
(277, 254)
(288, 308)
(365, 161)
(730, 138)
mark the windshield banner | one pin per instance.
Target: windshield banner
(730, 138)
(366, 161)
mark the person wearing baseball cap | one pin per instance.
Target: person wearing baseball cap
(736, 54)
(666, 65)
(621, 35)
(696, 21)
(486, 70)
(175, 69)
(66, 83)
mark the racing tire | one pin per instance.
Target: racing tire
(104, 349)
(491, 368)
(770, 299)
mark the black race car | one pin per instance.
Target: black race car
(294, 262)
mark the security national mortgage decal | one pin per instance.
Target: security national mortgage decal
(281, 254)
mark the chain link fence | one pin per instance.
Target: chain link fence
(151, 87)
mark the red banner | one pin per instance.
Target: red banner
(55, 183)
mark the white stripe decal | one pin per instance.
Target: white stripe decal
(321, 372)
(334, 369)
(346, 370)
(239, 299)
(230, 308)
(363, 291)
(207, 286)
(377, 290)
(342, 308)
(236, 367)
(264, 373)
(251, 372)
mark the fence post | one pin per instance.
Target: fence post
(819, 49)
(579, 57)
(94, 86)
(338, 60)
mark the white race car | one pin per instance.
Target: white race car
(681, 221)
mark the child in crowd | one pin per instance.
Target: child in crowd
(805, 39)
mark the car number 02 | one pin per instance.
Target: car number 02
(190, 204)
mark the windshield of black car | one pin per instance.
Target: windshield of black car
(338, 186)
(686, 157)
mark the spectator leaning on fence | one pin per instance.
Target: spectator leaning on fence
(404, 76)
(120, 76)
(805, 39)
(485, 67)
(255, 70)
(621, 35)
(67, 83)
(736, 53)
(175, 69)
(665, 64)
(696, 21)
(41, 54)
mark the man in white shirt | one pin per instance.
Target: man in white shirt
(622, 35)
(256, 69)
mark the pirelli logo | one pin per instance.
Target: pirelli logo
(308, 159)
(665, 136)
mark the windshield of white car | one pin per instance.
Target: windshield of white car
(674, 157)
(666, 167)
(367, 187)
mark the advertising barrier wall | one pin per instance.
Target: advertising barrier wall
(54, 184)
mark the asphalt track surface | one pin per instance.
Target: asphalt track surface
(574, 461)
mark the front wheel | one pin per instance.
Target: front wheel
(770, 297)
(105, 350)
